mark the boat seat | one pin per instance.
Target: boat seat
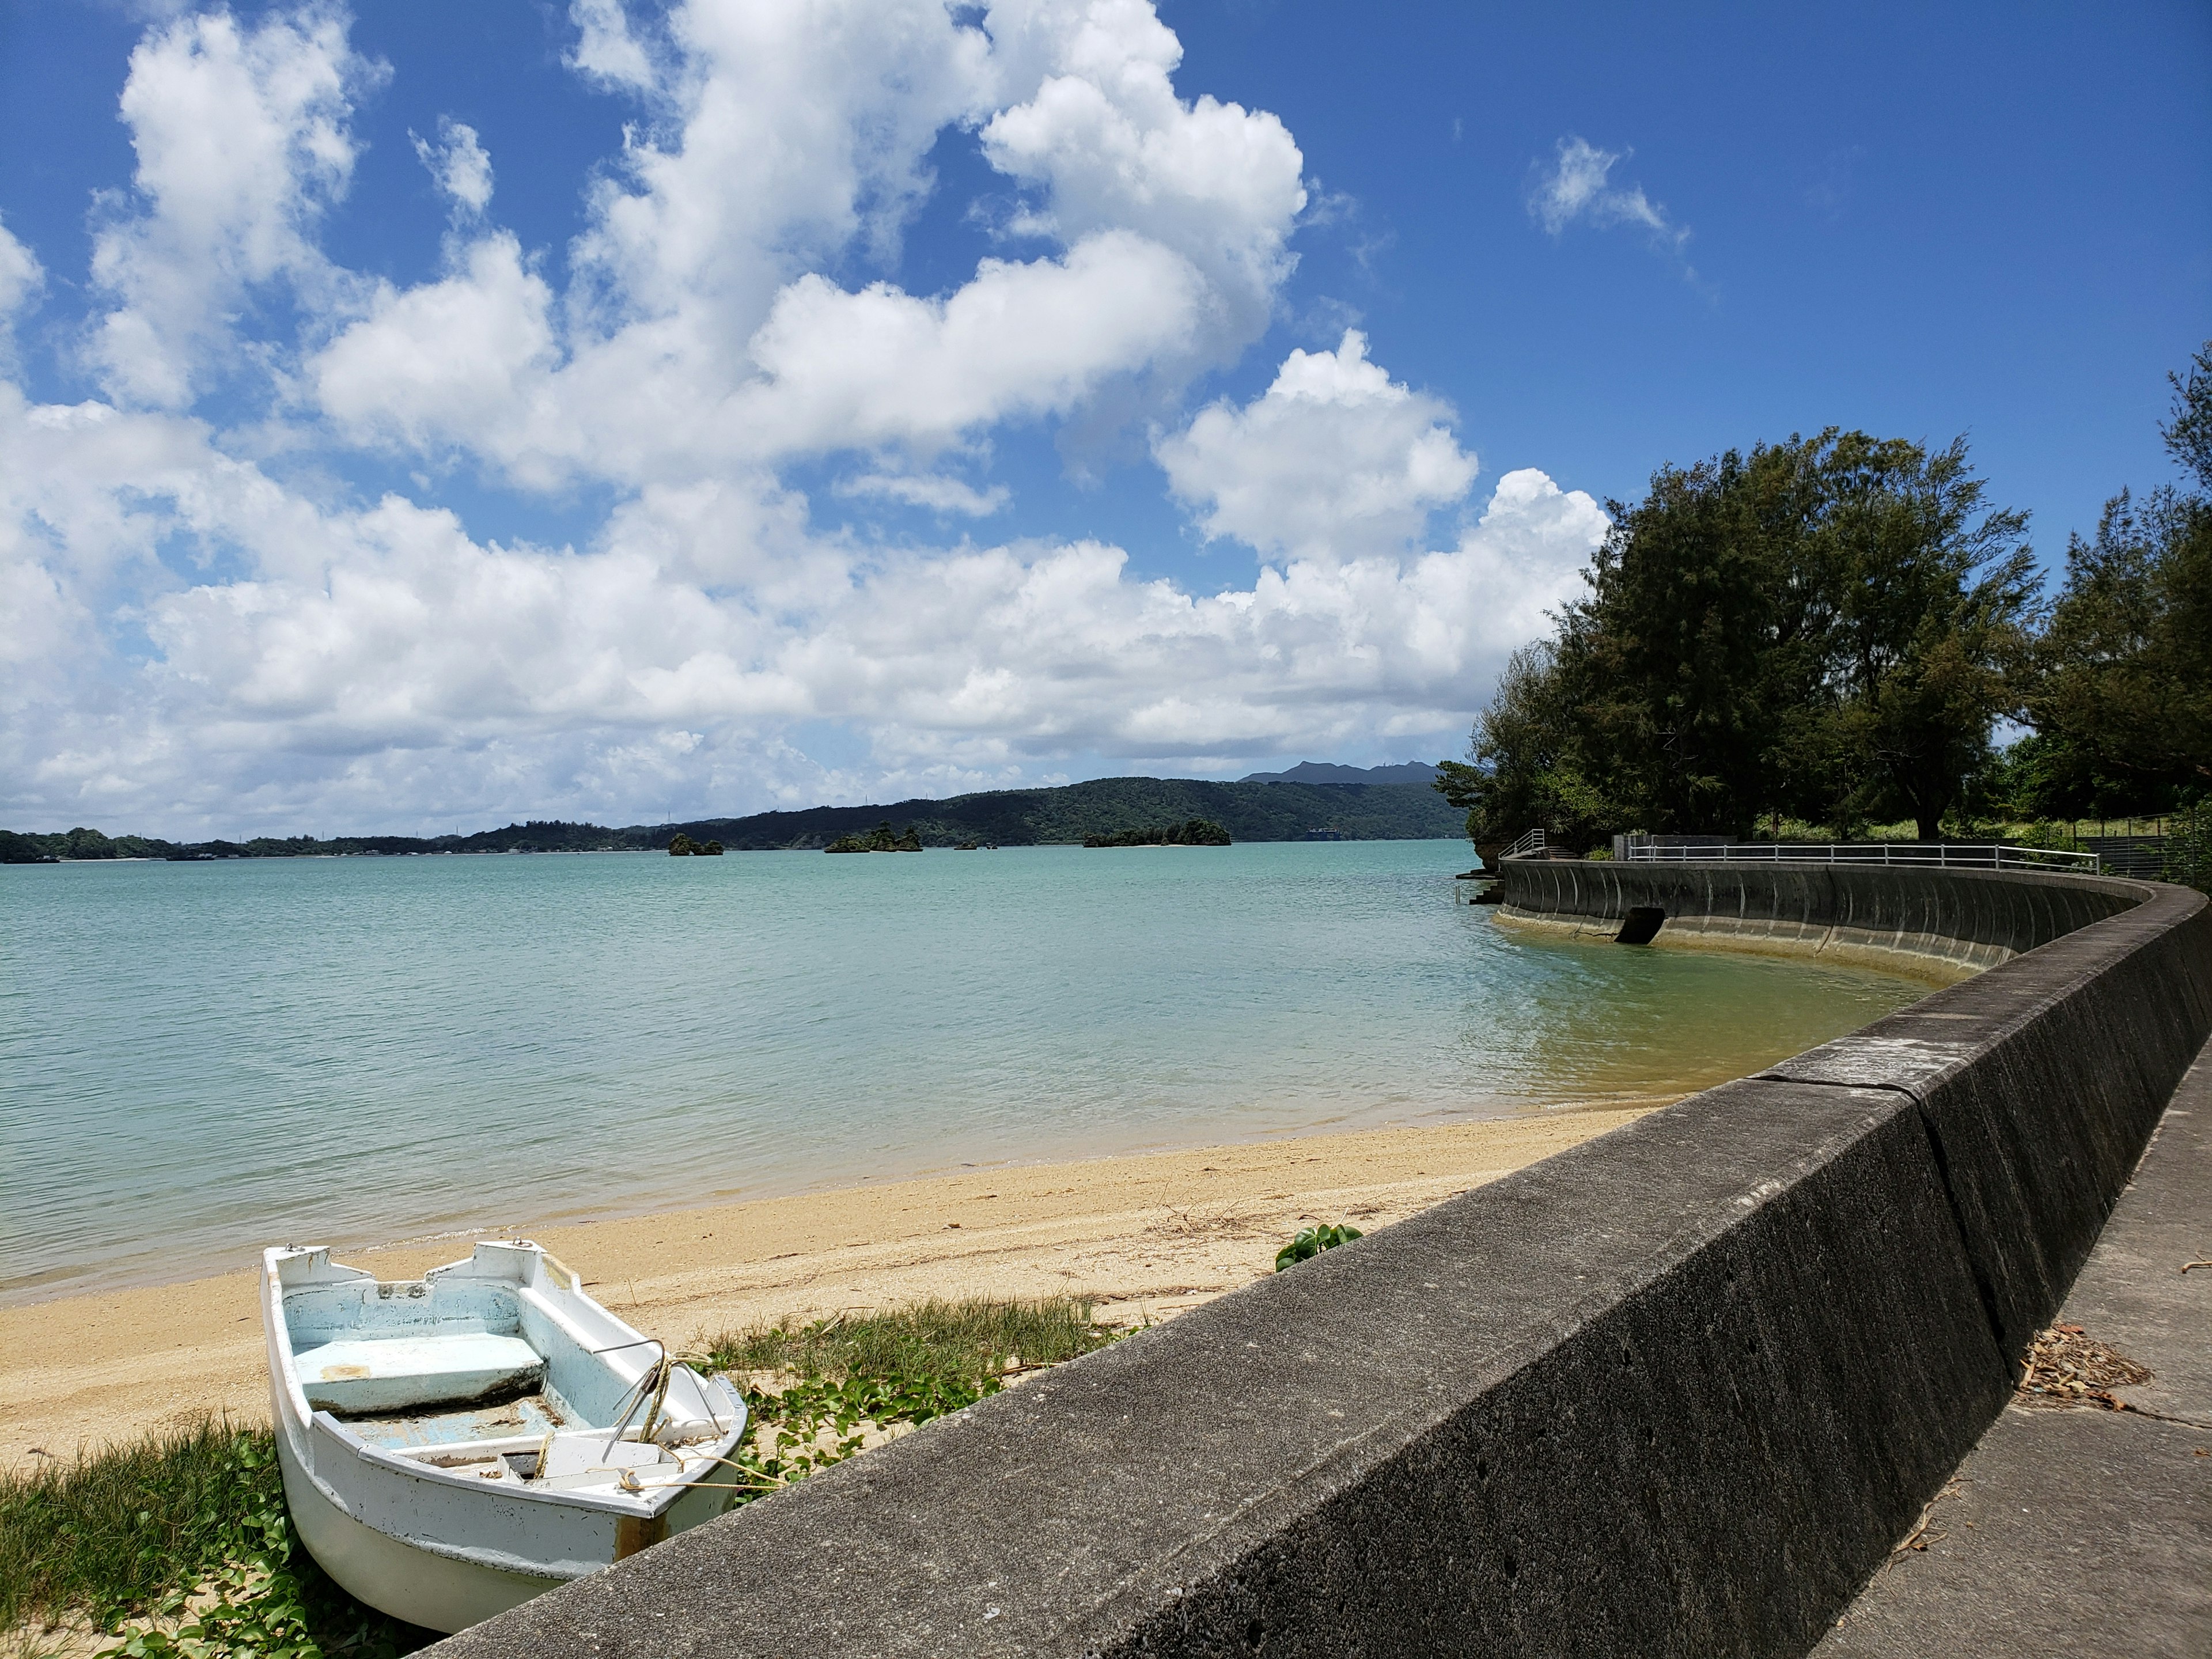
(394, 1373)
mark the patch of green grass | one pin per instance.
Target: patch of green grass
(972, 1339)
(887, 1370)
(120, 1528)
(132, 1530)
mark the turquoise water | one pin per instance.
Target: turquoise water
(197, 1058)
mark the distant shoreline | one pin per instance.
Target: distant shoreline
(1270, 812)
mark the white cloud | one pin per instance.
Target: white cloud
(354, 654)
(21, 279)
(792, 136)
(934, 491)
(605, 50)
(241, 140)
(880, 366)
(200, 647)
(1108, 142)
(1335, 460)
(1576, 187)
(460, 165)
(430, 365)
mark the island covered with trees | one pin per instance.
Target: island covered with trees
(1830, 634)
(1194, 832)
(881, 839)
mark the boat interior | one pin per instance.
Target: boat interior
(482, 1373)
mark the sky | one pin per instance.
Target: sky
(419, 417)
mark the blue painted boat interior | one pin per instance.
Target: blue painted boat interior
(421, 1332)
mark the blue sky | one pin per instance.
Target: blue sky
(1014, 395)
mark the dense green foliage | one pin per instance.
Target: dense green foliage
(131, 1531)
(838, 1378)
(2122, 699)
(881, 839)
(1010, 817)
(680, 845)
(1192, 832)
(1830, 631)
(1312, 1241)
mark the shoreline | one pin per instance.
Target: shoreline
(141, 1272)
(1143, 1236)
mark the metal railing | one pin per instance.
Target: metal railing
(1952, 856)
(1533, 842)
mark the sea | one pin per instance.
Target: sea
(198, 1060)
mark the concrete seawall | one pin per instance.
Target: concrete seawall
(1676, 1391)
(1941, 924)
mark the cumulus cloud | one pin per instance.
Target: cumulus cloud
(389, 638)
(202, 645)
(431, 364)
(934, 491)
(460, 165)
(605, 50)
(242, 140)
(21, 277)
(1576, 187)
(1335, 460)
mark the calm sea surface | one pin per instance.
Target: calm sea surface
(197, 1058)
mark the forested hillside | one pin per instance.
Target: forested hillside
(1010, 817)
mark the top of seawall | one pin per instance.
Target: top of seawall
(1938, 924)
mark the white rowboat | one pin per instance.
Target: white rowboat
(456, 1444)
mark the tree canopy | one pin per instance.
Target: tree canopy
(2121, 701)
(1826, 627)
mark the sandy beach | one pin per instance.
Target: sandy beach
(1146, 1236)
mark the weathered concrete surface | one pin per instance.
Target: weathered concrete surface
(2081, 1530)
(1675, 1392)
(2040, 1085)
(1947, 922)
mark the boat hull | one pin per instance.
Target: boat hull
(436, 1591)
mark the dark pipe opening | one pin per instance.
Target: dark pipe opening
(1642, 925)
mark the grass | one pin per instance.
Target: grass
(973, 1338)
(117, 1529)
(846, 1381)
(128, 1533)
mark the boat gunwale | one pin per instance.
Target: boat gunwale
(644, 1505)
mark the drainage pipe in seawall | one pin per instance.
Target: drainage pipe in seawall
(1676, 1391)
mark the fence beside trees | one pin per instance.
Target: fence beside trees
(1829, 633)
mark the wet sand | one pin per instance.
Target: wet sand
(1145, 1236)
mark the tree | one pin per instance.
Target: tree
(2123, 706)
(1526, 768)
(1700, 626)
(1828, 627)
(1936, 599)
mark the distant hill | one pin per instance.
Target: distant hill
(1104, 807)
(1352, 810)
(1418, 773)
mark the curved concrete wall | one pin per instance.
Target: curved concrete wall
(1675, 1392)
(1944, 924)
